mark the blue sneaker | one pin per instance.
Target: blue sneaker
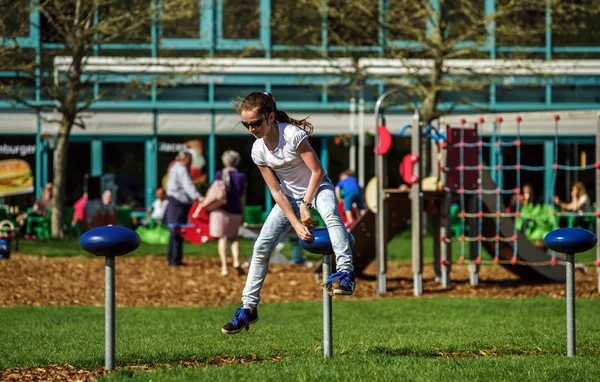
(242, 318)
(346, 283)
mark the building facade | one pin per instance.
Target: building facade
(137, 137)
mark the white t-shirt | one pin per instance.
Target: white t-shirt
(584, 201)
(294, 175)
(158, 209)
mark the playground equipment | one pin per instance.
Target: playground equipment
(321, 245)
(570, 241)
(198, 232)
(195, 231)
(110, 242)
(465, 178)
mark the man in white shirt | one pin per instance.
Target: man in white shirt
(157, 210)
(181, 194)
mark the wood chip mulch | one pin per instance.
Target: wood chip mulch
(66, 372)
(148, 281)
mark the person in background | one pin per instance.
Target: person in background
(79, 212)
(580, 202)
(225, 221)
(526, 198)
(181, 193)
(43, 204)
(157, 210)
(352, 195)
(40, 207)
(107, 213)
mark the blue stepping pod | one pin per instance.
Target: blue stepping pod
(110, 241)
(321, 245)
(570, 240)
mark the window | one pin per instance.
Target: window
(78, 165)
(187, 25)
(571, 154)
(240, 20)
(230, 92)
(523, 23)
(520, 94)
(295, 23)
(181, 19)
(534, 178)
(192, 93)
(465, 18)
(406, 20)
(20, 88)
(116, 21)
(349, 25)
(14, 18)
(297, 93)
(578, 94)
(470, 96)
(123, 92)
(574, 23)
(339, 93)
(126, 161)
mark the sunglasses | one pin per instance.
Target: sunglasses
(255, 124)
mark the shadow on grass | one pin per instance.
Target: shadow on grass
(402, 352)
(435, 287)
(488, 352)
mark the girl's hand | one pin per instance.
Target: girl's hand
(303, 232)
(306, 217)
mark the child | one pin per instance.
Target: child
(348, 185)
(297, 182)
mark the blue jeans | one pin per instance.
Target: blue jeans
(176, 213)
(277, 226)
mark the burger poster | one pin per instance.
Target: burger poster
(15, 177)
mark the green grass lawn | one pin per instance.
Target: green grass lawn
(399, 249)
(394, 339)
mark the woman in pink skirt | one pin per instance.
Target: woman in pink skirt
(225, 221)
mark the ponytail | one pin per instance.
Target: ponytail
(301, 123)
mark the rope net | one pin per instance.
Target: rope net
(476, 194)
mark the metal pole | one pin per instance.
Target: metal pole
(109, 316)
(380, 239)
(437, 247)
(361, 141)
(598, 199)
(417, 208)
(446, 229)
(570, 304)
(473, 248)
(352, 151)
(327, 325)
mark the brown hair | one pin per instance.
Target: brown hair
(347, 173)
(580, 188)
(264, 104)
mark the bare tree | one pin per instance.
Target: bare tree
(78, 28)
(430, 38)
